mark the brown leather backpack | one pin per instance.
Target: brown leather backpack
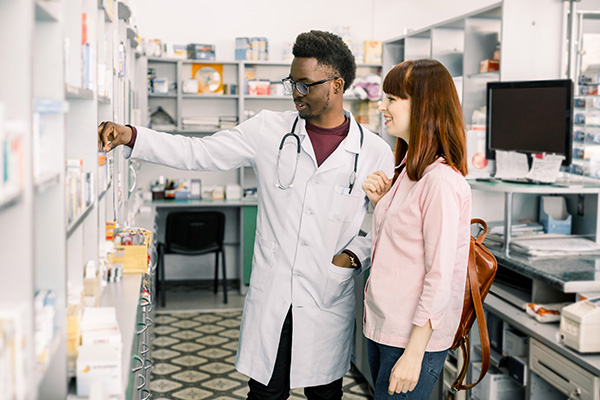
(480, 275)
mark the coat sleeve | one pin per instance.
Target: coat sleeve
(224, 150)
(361, 245)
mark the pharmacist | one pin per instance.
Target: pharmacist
(310, 165)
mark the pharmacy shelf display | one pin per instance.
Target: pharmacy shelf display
(70, 64)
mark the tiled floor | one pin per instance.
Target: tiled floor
(196, 337)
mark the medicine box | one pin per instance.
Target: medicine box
(495, 385)
(99, 364)
(514, 343)
(489, 66)
(133, 258)
(198, 51)
(554, 215)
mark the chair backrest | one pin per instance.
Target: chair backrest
(194, 230)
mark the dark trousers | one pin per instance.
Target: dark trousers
(279, 385)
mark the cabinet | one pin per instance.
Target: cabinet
(69, 65)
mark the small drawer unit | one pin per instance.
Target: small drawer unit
(562, 373)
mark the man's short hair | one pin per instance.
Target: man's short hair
(330, 51)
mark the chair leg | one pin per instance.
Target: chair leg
(216, 283)
(224, 279)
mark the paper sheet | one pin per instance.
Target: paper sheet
(545, 168)
(510, 165)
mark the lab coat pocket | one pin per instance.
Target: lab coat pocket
(264, 256)
(339, 284)
(344, 206)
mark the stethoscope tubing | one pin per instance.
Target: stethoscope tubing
(352, 179)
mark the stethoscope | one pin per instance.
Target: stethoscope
(293, 134)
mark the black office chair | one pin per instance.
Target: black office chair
(193, 233)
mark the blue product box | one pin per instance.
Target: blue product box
(554, 215)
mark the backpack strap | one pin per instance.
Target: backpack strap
(481, 324)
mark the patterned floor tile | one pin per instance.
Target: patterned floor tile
(217, 368)
(211, 329)
(221, 384)
(164, 354)
(165, 369)
(195, 354)
(189, 361)
(188, 347)
(214, 353)
(186, 335)
(231, 333)
(231, 345)
(212, 340)
(164, 341)
(208, 318)
(185, 324)
(192, 393)
(164, 385)
(191, 376)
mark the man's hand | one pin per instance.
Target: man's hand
(342, 260)
(376, 185)
(111, 135)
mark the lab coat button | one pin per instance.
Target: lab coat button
(308, 212)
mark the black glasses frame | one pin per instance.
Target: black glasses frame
(303, 88)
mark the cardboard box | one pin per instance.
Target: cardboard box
(133, 258)
(489, 66)
(373, 50)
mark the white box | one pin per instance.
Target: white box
(99, 364)
(514, 343)
(495, 385)
(233, 192)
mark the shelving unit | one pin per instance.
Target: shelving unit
(66, 73)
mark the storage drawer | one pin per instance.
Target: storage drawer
(562, 373)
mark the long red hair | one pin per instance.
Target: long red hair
(436, 123)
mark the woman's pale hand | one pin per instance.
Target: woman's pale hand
(376, 185)
(405, 374)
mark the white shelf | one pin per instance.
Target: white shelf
(46, 181)
(73, 225)
(124, 10)
(74, 92)
(212, 96)
(103, 193)
(47, 10)
(42, 369)
(8, 200)
(104, 99)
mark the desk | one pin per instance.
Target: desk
(247, 210)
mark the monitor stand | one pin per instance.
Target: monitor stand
(524, 180)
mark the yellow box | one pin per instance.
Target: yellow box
(133, 258)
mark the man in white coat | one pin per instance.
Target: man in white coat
(298, 322)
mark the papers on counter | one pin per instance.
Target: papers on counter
(555, 246)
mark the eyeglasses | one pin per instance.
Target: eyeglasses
(289, 84)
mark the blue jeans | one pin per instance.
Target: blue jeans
(382, 359)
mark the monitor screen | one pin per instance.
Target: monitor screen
(530, 117)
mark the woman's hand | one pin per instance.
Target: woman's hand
(111, 135)
(376, 185)
(405, 373)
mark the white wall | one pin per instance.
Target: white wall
(220, 22)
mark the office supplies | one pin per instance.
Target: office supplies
(580, 324)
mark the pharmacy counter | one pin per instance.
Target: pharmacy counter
(131, 311)
(566, 274)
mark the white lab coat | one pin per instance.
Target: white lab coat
(298, 232)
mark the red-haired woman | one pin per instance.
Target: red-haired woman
(421, 228)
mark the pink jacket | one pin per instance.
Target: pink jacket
(420, 249)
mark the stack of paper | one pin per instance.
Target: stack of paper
(555, 246)
(495, 234)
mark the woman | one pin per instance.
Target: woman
(421, 228)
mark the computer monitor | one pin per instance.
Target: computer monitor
(530, 117)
